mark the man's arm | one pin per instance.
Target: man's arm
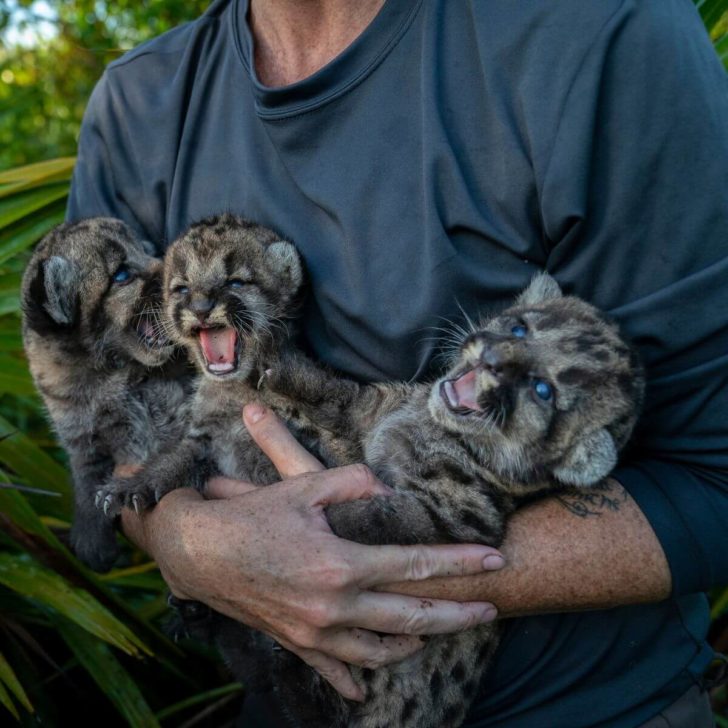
(593, 550)
(314, 592)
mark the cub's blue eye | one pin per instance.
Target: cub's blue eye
(235, 283)
(123, 275)
(182, 290)
(519, 331)
(543, 389)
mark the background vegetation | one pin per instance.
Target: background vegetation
(71, 639)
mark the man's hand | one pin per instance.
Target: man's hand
(267, 557)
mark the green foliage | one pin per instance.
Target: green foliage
(69, 636)
(44, 87)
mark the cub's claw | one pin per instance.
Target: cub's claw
(135, 503)
(265, 375)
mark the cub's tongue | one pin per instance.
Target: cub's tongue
(218, 346)
(462, 391)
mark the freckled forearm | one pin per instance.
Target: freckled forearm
(568, 553)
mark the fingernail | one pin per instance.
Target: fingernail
(253, 413)
(493, 562)
(488, 614)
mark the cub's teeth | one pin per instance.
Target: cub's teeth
(451, 394)
(222, 367)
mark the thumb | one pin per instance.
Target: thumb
(221, 487)
(351, 482)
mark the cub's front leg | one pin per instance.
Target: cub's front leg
(93, 537)
(419, 516)
(308, 394)
(186, 465)
(314, 398)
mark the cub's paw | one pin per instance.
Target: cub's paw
(117, 494)
(95, 544)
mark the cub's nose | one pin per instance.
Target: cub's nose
(201, 307)
(492, 359)
(502, 360)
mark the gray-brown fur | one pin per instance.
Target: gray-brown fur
(198, 270)
(457, 476)
(100, 361)
(225, 273)
(461, 455)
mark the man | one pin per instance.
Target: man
(426, 155)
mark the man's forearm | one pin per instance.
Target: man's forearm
(593, 550)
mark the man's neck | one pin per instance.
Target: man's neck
(295, 38)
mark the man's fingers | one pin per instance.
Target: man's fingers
(288, 456)
(366, 649)
(332, 670)
(387, 564)
(347, 483)
(221, 487)
(400, 615)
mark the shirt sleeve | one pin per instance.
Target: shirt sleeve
(634, 204)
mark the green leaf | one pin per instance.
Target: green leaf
(10, 337)
(34, 466)
(38, 173)
(199, 698)
(109, 675)
(16, 207)
(10, 293)
(9, 678)
(720, 605)
(7, 701)
(24, 233)
(25, 576)
(14, 376)
(15, 507)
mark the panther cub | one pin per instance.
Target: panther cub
(91, 295)
(539, 397)
(230, 290)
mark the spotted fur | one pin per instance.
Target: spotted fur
(540, 397)
(90, 297)
(266, 276)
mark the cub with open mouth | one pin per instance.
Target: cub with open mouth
(231, 290)
(100, 358)
(541, 396)
(229, 286)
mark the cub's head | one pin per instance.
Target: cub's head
(228, 285)
(93, 289)
(548, 389)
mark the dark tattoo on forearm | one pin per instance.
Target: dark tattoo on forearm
(600, 499)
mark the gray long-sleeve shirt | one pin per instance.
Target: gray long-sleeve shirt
(455, 148)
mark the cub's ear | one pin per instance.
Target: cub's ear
(284, 259)
(591, 459)
(53, 292)
(541, 288)
(148, 247)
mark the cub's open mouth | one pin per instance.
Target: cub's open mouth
(151, 335)
(221, 349)
(460, 395)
